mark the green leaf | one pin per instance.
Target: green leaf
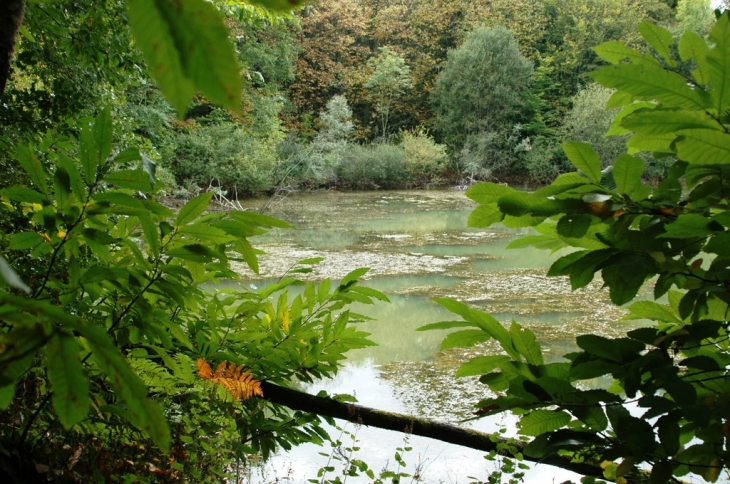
(133, 179)
(486, 322)
(193, 209)
(70, 384)
(653, 311)
(526, 344)
(599, 346)
(259, 220)
(33, 167)
(593, 417)
(617, 128)
(25, 240)
(619, 99)
(128, 155)
(145, 414)
(8, 277)
(648, 83)
(659, 38)
(691, 226)
(464, 339)
(102, 132)
(353, 276)
(627, 171)
(482, 365)
(485, 215)
(484, 193)
(204, 231)
(194, 252)
(248, 253)
(149, 167)
(703, 146)
(574, 225)
(186, 46)
(541, 421)
(660, 121)
(615, 51)
(659, 143)
(582, 156)
(23, 194)
(694, 47)
(445, 325)
(718, 61)
(151, 233)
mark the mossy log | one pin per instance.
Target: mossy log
(444, 432)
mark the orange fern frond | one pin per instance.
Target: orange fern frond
(242, 385)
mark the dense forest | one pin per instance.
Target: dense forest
(121, 360)
(360, 94)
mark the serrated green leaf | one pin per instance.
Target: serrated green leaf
(445, 325)
(541, 421)
(102, 132)
(485, 215)
(526, 344)
(193, 209)
(703, 146)
(627, 171)
(659, 38)
(151, 234)
(658, 143)
(660, 121)
(583, 158)
(186, 46)
(143, 413)
(259, 220)
(574, 225)
(354, 276)
(653, 311)
(33, 167)
(128, 155)
(617, 128)
(133, 179)
(25, 240)
(484, 193)
(599, 346)
(68, 381)
(694, 47)
(481, 365)
(718, 61)
(464, 339)
(649, 83)
(615, 51)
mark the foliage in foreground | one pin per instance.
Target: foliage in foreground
(108, 298)
(122, 298)
(668, 404)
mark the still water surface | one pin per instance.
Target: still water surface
(418, 247)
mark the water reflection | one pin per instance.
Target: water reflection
(419, 247)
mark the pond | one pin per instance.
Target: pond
(418, 247)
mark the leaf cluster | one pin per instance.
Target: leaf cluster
(667, 402)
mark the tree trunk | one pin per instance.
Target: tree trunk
(444, 432)
(11, 16)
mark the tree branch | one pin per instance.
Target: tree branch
(444, 432)
(11, 16)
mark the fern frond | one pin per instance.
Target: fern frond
(242, 385)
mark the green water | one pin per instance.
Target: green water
(419, 247)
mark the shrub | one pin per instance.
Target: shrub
(227, 156)
(425, 160)
(373, 166)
